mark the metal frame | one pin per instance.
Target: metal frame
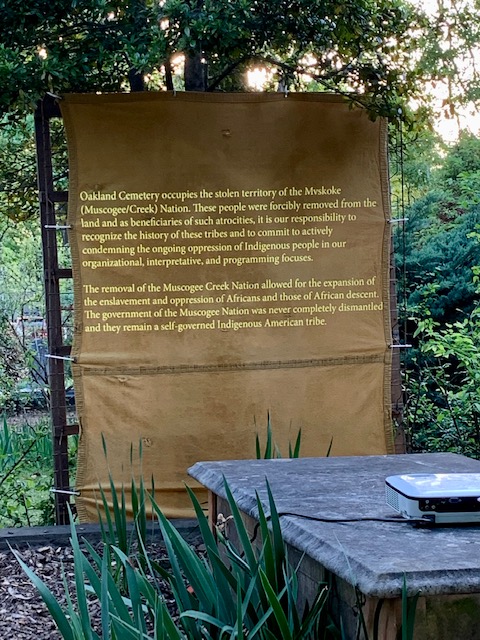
(49, 199)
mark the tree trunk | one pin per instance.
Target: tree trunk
(195, 72)
(136, 81)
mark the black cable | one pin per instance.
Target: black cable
(399, 519)
(344, 520)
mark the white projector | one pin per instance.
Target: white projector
(439, 498)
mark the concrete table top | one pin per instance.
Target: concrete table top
(374, 556)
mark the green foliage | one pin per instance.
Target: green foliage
(246, 592)
(26, 474)
(447, 51)
(459, 176)
(18, 192)
(409, 608)
(414, 156)
(439, 245)
(21, 271)
(463, 158)
(246, 589)
(444, 408)
(21, 297)
(21, 263)
(440, 283)
(114, 520)
(271, 448)
(439, 261)
(12, 366)
(381, 50)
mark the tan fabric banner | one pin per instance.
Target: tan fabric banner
(231, 259)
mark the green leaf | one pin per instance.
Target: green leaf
(241, 530)
(54, 608)
(105, 610)
(276, 606)
(78, 558)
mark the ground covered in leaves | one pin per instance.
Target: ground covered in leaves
(23, 615)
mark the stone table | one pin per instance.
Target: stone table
(366, 557)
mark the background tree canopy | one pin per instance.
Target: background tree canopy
(382, 50)
(379, 53)
(440, 245)
(440, 293)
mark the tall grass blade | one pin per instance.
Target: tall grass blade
(240, 611)
(258, 450)
(212, 553)
(268, 447)
(267, 548)
(96, 557)
(316, 615)
(135, 596)
(193, 568)
(184, 599)
(82, 604)
(5, 439)
(241, 530)
(296, 449)
(209, 619)
(75, 621)
(329, 450)
(117, 602)
(278, 611)
(126, 630)
(105, 611)
(165, 628)
(409, 608)
(54, 608)
(278, 543)
(119, 532)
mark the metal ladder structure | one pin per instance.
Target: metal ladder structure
(51, 202)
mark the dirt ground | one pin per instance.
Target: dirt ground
(23, 615)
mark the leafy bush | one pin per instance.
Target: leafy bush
(271, 449)
(439, 261)
(26, 474)
(438, 245)
(440, 303)
(443, 413)
(12, 366)
(249, 592)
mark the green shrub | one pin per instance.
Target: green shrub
(249, 592)
(271, 449)
(26, 474)
(443, 412)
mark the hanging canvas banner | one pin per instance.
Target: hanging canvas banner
(230, 262)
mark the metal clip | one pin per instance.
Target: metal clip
(58, 227)
(67, 492)
(52, 357)
(397, 220)
(400, 346)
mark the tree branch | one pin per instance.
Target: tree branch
(226, 72)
